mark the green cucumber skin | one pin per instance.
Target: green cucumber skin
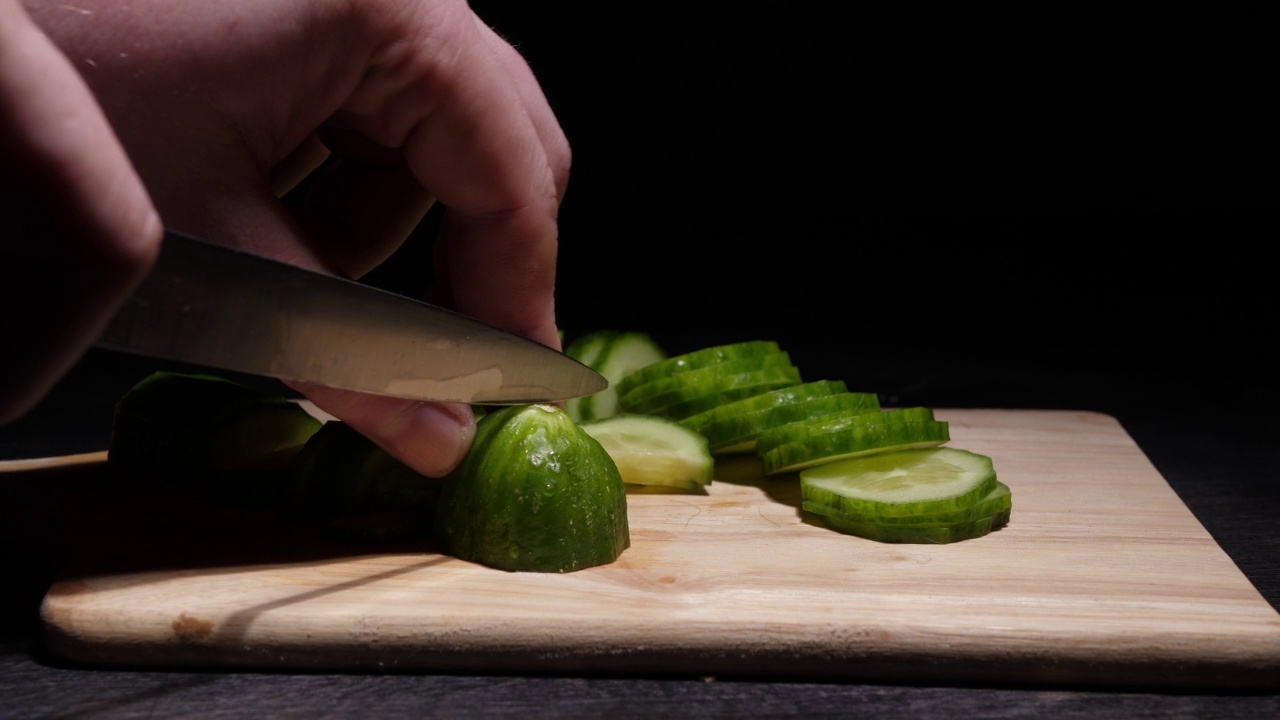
(716, 391)
(693, 406)
(359, 491)
(751, 349)
(680, 385)
(536, 493)
(158, 426)
(921, 535)
(744, 431)
(836, 422)
(226, 441)
(851, 442)
(999, 499)
(760, 403)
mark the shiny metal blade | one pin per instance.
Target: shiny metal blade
(214, 306)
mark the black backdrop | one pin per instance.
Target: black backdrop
(927, 200)
(1043, 206)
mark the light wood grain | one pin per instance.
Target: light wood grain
(1102, 577)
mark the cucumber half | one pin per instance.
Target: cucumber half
(535, 493)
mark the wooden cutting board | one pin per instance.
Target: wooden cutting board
(1102, 577)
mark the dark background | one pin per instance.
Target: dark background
(917, 196)
(951, 206)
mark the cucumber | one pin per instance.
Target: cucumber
(836, 422)
(655, 451)
(535, 493)
(210, 434)
(902, 483)
(715, 390)
(356, 490)
(680, 385)
(920, 534)
(614, 355)
(732, 429)
(852, 442)
(998, 500)
(749, 350)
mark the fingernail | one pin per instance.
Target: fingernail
(436, 437)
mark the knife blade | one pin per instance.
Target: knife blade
(223, 308)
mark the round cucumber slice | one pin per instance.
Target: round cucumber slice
(920, 534)
(695, 382)
(536, 493)
(900, 483)
(999, 500)
(852, 442)
(652, 450)
(736, 433)
(749, 350)
(835, 422)
(614, 355)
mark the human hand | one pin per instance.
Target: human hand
(222, 106)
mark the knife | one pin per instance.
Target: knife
(215, 306)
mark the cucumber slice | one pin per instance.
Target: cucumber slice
(652, 450)
(728, 432)
(535, 493)
(900, 483)
(245, 458)
(659, 393)
(835, 422)
(750, 350)
(730, 388)
(356, 490)
(999, 500)
(764, 401)
(920, 534)
(852, 442)
(614, 355)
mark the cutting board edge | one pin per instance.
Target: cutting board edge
(784, 661)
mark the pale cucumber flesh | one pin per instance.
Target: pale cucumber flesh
(652, 450)
(614, 355)
(900, 483)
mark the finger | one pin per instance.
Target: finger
(430, 438)
(80, 224)
(554, 142)
(358, 214)
(469, 139)
(297, 165)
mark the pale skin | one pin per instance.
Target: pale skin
(120, 119)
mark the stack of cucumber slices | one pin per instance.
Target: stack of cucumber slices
(879, 473)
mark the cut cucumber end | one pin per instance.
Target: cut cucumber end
(652, 450)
